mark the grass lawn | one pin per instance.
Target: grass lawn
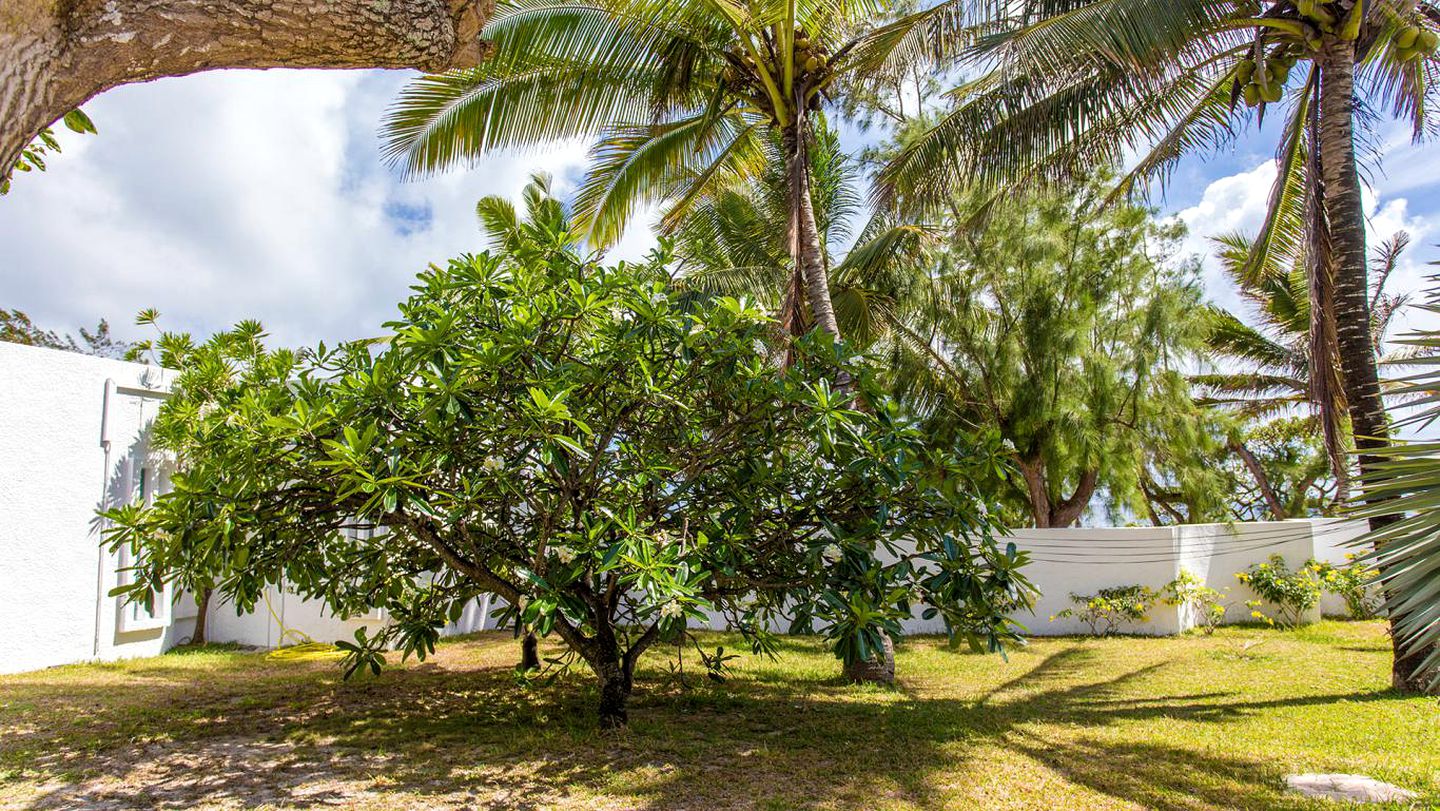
(1195, 722)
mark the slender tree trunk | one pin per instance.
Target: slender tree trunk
(202, 602)
(1345, 214)
(809, 257)
(529, 652)
(1272, 501)
(805, 248)
(57, 54)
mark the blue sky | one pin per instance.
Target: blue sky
(253, 194)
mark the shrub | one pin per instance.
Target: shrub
(1105, 610)
(1189, 592)
(1291, 592)
(1354, 582)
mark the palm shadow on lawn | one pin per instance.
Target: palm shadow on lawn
(462, 736)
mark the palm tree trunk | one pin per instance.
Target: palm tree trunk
(1345, 213)
(805, 247)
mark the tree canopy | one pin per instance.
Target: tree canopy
(565, 435)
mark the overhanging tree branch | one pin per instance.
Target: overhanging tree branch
(54, 56)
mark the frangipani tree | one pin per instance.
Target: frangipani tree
(678, 96)
(561, 434)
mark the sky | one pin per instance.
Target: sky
(261, 194)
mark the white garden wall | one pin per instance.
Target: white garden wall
(73, 432)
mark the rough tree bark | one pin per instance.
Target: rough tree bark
(57, 54)
(197, 637)
(1345, 214)
(804, 233)
(1055, 514)
(529, 652)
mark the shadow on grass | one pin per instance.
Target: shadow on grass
(462, 735)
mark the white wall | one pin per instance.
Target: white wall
(1083, 561)
(55, 473)
(54, 576)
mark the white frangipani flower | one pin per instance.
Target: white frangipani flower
(564, 554)
(493, 463)
(831, 553)
(672, 610)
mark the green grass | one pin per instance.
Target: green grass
(1189, 723)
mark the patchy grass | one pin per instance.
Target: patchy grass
(1189, 723)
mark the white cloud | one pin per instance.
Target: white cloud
(241, 194)
(1237, 203)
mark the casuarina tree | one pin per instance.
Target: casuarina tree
(1075, 83)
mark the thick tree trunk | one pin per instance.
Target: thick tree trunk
(805, 250)
(615, 686)
(57, 54)
(1034, 475)
(529, 652)
(1069, 511)
(1345, 214)
(202, 602)
(877, 670)
(1049, 513)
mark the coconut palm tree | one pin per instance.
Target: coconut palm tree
(1268, 365)
(1076, 83)
(678, 97)
(1406, 482)
(728, 244)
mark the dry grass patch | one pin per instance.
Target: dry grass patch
(1189, 723)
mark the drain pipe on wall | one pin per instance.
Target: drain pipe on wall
(104, 493)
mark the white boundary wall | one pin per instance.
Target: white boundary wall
(73, 438)
(73, 432)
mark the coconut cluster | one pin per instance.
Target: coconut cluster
(1267, 85)
(811, 69)
(1414, 41)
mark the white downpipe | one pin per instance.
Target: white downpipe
(109, 396)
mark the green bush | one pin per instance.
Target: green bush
(1105, 610)
(1190, 593)
(1291, 592)
(1354, 582)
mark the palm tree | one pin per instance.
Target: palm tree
(1077, 83)
(728, 244)
(1279, 353)
(1406, 482)
(678, 96)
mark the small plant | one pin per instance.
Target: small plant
(1189, 592)
(1291, 592)
(1354, 582)
(1105, 610)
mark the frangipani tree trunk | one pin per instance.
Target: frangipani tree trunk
(54, 56)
